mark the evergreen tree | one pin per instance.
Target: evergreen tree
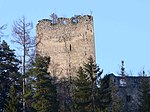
(93, 72)
(103, 95)
(29, 92)
(84, 94)
(144, 95)
(44, 94)
(8, 73)
(12, 104)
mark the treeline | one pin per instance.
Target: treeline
(40, 93)
(41, 90)
(88, 93)
(27, 86)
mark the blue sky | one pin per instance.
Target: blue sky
(122, 27)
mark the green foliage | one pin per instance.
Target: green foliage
(144, 95)
(43, 93)
(12, 104)
(8, 73)
(103, 94)
(84, 92)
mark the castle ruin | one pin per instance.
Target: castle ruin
(68, 41)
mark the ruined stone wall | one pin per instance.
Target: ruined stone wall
(128, 94)
(69, 43)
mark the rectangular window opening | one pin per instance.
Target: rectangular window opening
(70, 47)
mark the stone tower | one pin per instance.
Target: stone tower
(68, 41)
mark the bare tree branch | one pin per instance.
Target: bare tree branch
(2, 28)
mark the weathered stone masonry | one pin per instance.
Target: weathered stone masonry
(69, 43)
(128, 94)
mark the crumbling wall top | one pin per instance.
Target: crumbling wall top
(77, 19)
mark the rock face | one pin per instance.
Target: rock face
(68, 41)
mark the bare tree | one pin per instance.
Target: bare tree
(22, 36)
(3, 27)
